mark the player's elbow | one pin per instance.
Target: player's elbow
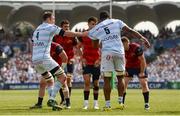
(64, 57)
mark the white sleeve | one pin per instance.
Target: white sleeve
(56, 30)
(92, 34)
(121, 24)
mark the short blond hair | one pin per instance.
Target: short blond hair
(124, 39)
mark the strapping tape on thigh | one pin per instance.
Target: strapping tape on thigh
(120, 73)
(58, 72)
(48, 76)
(107, 74)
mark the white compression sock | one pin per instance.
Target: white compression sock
(57, 86)
(50, 92)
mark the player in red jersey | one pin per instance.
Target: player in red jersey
(91, 66)
(59, 55)
(68, 45)
(136, 65)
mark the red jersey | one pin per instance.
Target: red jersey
(90, 54)
(67, 43)
(132, 54)
(56, 49)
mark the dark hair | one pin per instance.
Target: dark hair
(104, 15)
(64, 22)
(92, 19)
(46, 15)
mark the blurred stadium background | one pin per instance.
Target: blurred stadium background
(158, 20)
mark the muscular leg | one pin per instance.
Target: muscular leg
(107, 90)
(69, 83)
(120, 88)
(145, 91)
(127, 80)
(96, 93)
(62, 79)
(96, 89)
(42, 88)
(87, 80)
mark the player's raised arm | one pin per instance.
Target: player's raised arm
(75, 34)
(135, 34)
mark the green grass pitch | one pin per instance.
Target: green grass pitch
(162, 102)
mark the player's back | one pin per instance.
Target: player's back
(42, 38)
(132, 60)
(109, 34)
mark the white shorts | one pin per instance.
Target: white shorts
(112, 62)
(45, 65)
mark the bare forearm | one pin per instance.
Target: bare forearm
(135, 34)
(75, 34)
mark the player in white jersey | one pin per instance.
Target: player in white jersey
(43, 63)
(108, 33)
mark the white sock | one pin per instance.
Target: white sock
(120, 99)
(50, 92)
(57, 86)
(108, 103)
(86, 102)
(95, 102)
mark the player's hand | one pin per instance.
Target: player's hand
(97, 63)
(71, 61)
(141, 74)
(85, 34)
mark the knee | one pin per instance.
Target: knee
(144, 85)
(42, 85)
(96, 88)
(87, 84)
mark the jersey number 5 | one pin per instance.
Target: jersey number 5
(106, 29)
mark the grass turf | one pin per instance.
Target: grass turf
(162, 102)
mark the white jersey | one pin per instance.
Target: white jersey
(42, 38)
(109, 34)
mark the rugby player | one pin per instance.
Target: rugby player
(108, 31)
(91, 66)
(136, 66)
(59, 55)
(41, 59)
(68, 43)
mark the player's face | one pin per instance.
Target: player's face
(65, 27)
(91, 24)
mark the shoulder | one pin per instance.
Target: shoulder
(137, 49)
